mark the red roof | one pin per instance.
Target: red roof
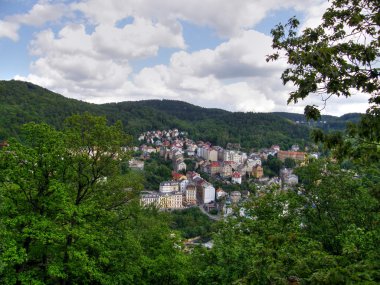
(176, 175)
(236, 175)
(214, 164)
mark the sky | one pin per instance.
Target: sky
(210, 53)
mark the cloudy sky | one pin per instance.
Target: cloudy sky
(209, 53)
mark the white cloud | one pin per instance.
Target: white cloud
(9, 30)
(40, 14)
(89, 57)
(228, 18)
(142, 38)
(199, 77)
(314, 15)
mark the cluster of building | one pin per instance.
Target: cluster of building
(229, 165)
(182, 191)
(190, 190)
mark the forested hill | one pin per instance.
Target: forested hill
(326, 122)
(22, 102)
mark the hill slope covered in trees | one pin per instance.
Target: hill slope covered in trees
(23, 102)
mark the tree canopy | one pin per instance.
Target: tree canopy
(68, 215)
(340, 57)
(337, 58)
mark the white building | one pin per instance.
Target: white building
(169, 186)
(235, 156)
(252, 162)
(136, 164)
(150, 198)
(206, 192)
(183, 184)
(236, 177)
(207, 153)
(220, 193)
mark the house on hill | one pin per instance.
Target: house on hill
(257, 171)
(296, 155)
(236, 177)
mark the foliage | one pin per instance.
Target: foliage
(334, 58)
(156, 170)
(326, 123)
(24, 102)
(337, 58)
(289, 162)
(325, 232)
(272, 166)
(68, 216)
(191, 222)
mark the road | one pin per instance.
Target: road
(212, 217)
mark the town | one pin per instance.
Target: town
(215, 169)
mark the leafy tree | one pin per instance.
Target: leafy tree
(336, 57)
(67, 214)
(325, 232)
(289, 162)
(272, 166)
(191, 222)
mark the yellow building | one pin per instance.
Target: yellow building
(296, 155)
(171, 200)
(257, 171)
(191, 194)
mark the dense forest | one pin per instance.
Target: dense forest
(24, 102)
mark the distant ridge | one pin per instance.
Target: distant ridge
(23, 102)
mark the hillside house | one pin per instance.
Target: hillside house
(257, 171)
(236, 177)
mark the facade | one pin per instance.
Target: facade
(253, 161)
(182, 185)
(214, 168)
(169, 186)
(235, 156)
(212, 155)
(191, 194)
(180, 166)
(295, 147)
(226, 170)
(171, 200)
(136, 164)
(205, 192)
(235, 197)
(243, 169)
(291, 180)
(220, 193)
(257, 171)
(296, 155)
(150, 199)
(236, 177)
(288, 178)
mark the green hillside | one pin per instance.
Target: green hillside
(326, 122)
(22, 102)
